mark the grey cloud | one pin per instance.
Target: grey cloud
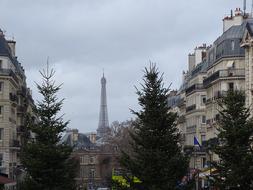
(84, 36)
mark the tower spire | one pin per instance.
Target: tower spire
(251, 12)
(244, 7)
(103, 125)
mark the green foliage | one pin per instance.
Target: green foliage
(157, 159)
(235, 170)
(48, 163)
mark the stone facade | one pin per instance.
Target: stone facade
(15, 101)
(96, 160)
(213, 70)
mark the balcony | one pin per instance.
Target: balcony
(228, 73)
(10, 73)
(20, 109)
(15, 144)
(20, 129)
(191, 108)
(13, 97)
(22, 91)
(218, 94)
(194, 88)
(190, 150)
(191, 129)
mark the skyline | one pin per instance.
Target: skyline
(113, 39)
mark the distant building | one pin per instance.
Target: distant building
(15, 101)
(225, 65)
(96, 160)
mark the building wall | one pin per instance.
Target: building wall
(14, 102)
(221, 70)
(95, 167)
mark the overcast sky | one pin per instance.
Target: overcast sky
(82, 37)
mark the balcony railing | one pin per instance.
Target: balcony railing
(13, 97)
(190, 149)
(9, 72)
(191, 108)
(191, 129)
(15, 144)
(22, 91)
(20, 129)
(224, 74)
(20, 109)
(219, 94)
(193, 88)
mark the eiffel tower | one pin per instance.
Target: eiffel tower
(103, 125)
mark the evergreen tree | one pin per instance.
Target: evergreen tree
(235, 169)
(48, 163)
(157, 160)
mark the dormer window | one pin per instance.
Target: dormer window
(232, 45)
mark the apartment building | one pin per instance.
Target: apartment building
(212, 71)
(15, 101)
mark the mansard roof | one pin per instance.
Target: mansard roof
(235, 32)
(4, 47)
(249, 27)
(200, 68)
(83, 142)
(5, 50)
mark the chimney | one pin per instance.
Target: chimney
(93, 138)
(12, 45)
(74, 135)
(191, 62)
(233, 20)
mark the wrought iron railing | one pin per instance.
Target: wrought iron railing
(223, 74)
(9, 72)
(194, 87)
(191, 108)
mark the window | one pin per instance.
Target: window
(92, 173)
(231, 86)
(203, 138)
(1, 86)
(1, 133)
(81, 160)
(91, 159)
(1, 110)
(1, 64)
(203, 119)
(204, 164)
(203, 100)
(1, 159)
(232, 45)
